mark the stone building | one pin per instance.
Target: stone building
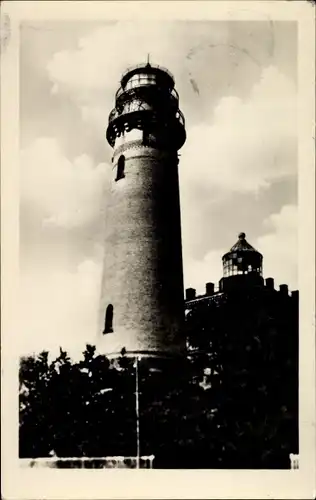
(247, 332)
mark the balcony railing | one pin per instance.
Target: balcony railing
(116, 114)
(173, 93)
(143, 66)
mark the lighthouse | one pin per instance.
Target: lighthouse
(142, 302)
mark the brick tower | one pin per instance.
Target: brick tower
(141, 307)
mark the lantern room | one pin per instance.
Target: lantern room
(242, 265)
(242, 259)
(147, 101)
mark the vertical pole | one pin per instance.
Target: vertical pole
(137, 416)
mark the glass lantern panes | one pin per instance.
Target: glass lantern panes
(140, 79)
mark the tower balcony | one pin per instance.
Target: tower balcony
(117, 114)
(148, 92)
(144, 119)
(147, 100)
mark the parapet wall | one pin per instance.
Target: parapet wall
(212, 289)
(89, 462)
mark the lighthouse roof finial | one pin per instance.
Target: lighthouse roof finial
(148, 58)
(242, 244)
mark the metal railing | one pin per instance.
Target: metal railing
(116, 114)
(143, 66)
(173, 93)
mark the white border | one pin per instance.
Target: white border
(60, 484)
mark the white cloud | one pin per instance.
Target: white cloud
(199, 272)
(58, 301)
(59, 308)
(249, 145)
(66, 193)
(90, 74)
(99, 60)
(246, 146)
(280, 247)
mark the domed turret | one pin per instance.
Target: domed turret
(242, 258)
(242, 265)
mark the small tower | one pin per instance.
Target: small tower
(242, 266)
(141, 308)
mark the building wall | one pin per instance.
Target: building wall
(143, 260)
(252, 340)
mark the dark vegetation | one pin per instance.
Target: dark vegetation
(234, 405)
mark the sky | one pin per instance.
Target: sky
(237, 83)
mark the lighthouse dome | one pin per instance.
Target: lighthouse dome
(242, 258)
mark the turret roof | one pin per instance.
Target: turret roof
(152, 68)
(242, 244)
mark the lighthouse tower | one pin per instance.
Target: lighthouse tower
(142, 303)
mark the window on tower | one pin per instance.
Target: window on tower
(108, 321)
(120, 168)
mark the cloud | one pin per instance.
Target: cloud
(99, 59)
(59, 308)
(280, 246)
(247, 147)
(247, 144)
(90, 73)
(63, 193)
(199, 272)
(63, 200)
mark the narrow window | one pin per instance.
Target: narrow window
(108, 322)
(120, 168)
